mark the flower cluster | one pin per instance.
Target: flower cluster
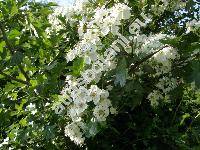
(78, 103)
(192, 25)
(162, 63)
(81, 92)
(154, 97)
(73, 131)
(164, 86)
(148, 44)
(163, 56)
(68, 12)
(164, 60)
(86, 102)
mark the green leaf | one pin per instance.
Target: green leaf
(17, 58)
(49, 132)
(52, 4)
(34, 83)
(195, 74)
(2, 44)
(13, 34)
(196, 147)
(18, 107)
(51, 66)
(11, 134)
(23, 122)
(1, 16)
(121, 72)
(22, 3)
(9, 87)
(13, 95)
(134, 92)
(78, 66)
(21, 76)
(13, 7)
(45, 11)
(92, 129)
(172, 42)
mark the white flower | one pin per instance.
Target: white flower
(88, 75)
(154, 97)
(104, 94)
(80, 31)
(82, 90)
(70, 56)
(101, 113)
(105, 30)
(113, 110)
(87, 60)
(126, 14)
(47, 104)
(109, 87)
(98, 66)
(167, 84)
(80, 107)
(31, 123)
(73, 131)
(94, 93)
(192, 25)
(165, 55)
(31, 106)
(105, 103)
(33, 112)
(115, 30)
(5, 142)
(72, 113)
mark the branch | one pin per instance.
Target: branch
(109, 2)
(24, 72)
(137, 64)
(175, 113)
(13, 78)
(12, 50)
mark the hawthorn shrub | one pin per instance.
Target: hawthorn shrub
(100, 75)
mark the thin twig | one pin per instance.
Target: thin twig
(108, 3)
(177, 108)
(13, 78)
(137, 64)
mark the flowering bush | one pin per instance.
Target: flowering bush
(113, 74)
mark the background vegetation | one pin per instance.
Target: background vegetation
(33, 70)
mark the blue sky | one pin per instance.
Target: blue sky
(61, 2)
(65, 1)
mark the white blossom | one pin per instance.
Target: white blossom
(74, 132)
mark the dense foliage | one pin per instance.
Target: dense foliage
(68, 82)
